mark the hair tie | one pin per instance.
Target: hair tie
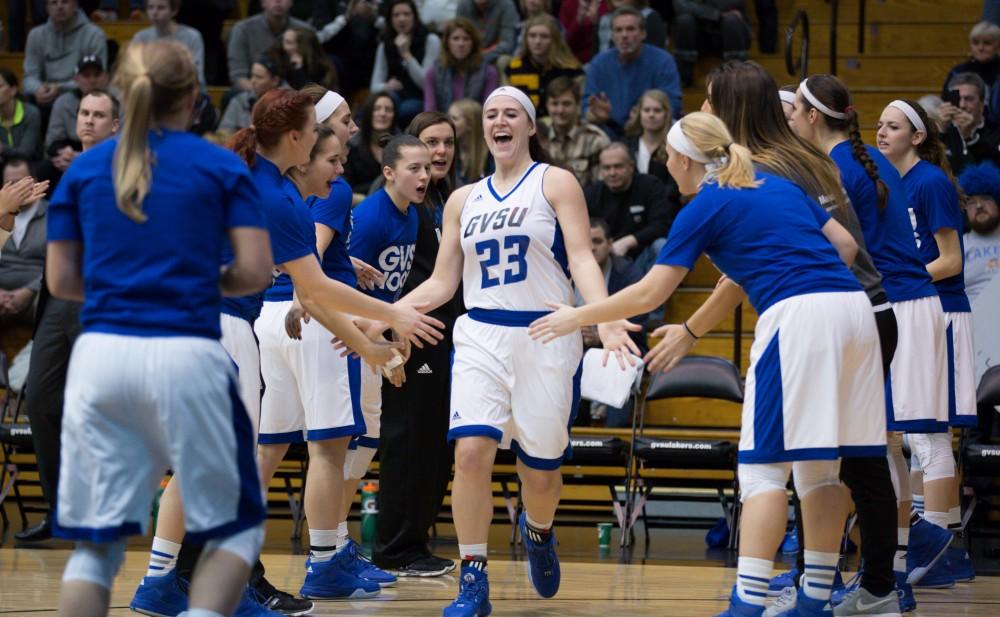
(826, 111)
(849, 109)
(726, 147)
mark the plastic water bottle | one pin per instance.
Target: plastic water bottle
(369, 512)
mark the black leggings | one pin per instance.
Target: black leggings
(871, 489)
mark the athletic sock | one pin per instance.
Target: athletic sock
(473, 552)
(918, 503)
(752, 579)
(941, 519)
(902, 545)
(538, 533)
(343, 538)
(478, 563)
(821, 568)
(955, 518)
(322, 544)
(200, 612)
(162, 557)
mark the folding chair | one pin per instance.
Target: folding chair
(15, 438)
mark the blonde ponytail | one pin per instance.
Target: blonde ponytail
(731, 164)
(155, 79)
(738, 172)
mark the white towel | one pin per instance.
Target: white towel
(609, 384)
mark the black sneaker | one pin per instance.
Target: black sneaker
(426, 567)
(281, 601)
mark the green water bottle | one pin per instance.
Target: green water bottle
(369, 512)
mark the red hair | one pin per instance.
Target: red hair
(277, 112)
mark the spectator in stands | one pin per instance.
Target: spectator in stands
(636, 206)
(378, 118)
(656, 30)
(460, 72)
(984, 56)
(265, 74)
(17, 20)
(530, 9)
(571, 142)
(251, 37)
(981, 184)
(497, 22)
(579, 19)
(57, 324)
(20, 121)
(646, 135)
(619, 273)
(208, 18)
(474, 160)
(55, 49)
(349, 31)
(618, 77)
(108, 11)
(90, 76)
(541, 57)
(162, 15)
(719, 26)
(23, 256)
(405, 54)
(971, 137)
(303, 60)
(436, 13)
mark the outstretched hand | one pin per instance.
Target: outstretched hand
(615, 337)
(411, 324)
(665, 355)
(560, 322)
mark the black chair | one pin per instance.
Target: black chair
(15, 440)
(981, 461)
(694, 376)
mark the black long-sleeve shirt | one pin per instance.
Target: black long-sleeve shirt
(644, 210)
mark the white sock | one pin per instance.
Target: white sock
(342, 535)
(821, 568)
(937, 518)
(918, 504)
(162, 557)
(322, 544)
(955, 517)
(199, 612)
(531, 522)
(752, 579)
(472, 550)
(902, 545)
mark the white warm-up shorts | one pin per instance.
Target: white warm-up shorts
(916, 397)
(814, 389)
(961, 370)
(239, 342)
(136, 406)
(516, 390)
(311, 392)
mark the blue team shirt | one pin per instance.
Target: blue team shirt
(888, 234)
(335, 213)
(160, 277)
(386, 239)
(934, 204)
(297, 233)
(768, 240)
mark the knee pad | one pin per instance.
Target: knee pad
(95, 563)
(357, 461)
(246, 544)
(761, 478)
(811, 475)
(933, 451)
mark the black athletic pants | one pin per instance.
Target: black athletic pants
(415, 457)
(58, 327)
(871, 489)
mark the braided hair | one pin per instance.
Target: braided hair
(833, 93)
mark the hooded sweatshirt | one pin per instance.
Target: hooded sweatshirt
(51, 56)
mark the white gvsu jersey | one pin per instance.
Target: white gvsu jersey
(515, 258)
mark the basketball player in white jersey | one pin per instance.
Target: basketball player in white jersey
(513, 240)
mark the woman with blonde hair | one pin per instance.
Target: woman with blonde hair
(541, 57)
(461, 71)
(474, 160)
(778, 247)
(646, 133)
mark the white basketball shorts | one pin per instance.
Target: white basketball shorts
(961, 370)
(516, 390)
(311, 392)
(814, 389)
(916, 398)
(136, 406)
(239, 342)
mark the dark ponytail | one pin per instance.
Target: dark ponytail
(833, 93)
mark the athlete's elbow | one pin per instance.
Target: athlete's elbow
(953, 266)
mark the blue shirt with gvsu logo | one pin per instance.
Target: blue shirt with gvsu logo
(385, 237)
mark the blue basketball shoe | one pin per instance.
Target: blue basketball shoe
(332, 580)
(361, 567)
(739, 608)
(543, 563)
(928, 543)
(473, 595)
(161, 596)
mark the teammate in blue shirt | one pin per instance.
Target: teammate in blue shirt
(911, 142)
(140, 245)
(813, 391)
(824, 116)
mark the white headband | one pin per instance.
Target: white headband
(679, 142)
(327, 105)
(515, 94)
(910, 113)
(787, 97)
(826, 111)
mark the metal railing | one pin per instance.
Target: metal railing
(801, 21)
